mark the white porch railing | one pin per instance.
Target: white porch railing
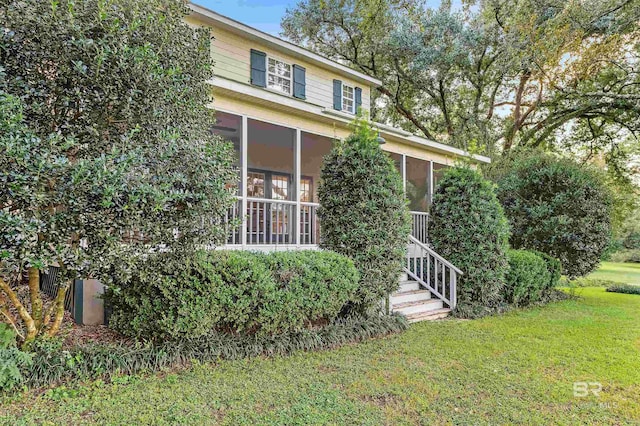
(272, 222)
(432, 271)
(420, 226)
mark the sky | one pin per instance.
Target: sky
(264, 15)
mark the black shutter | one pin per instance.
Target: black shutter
(358, 99)
(258, 68)
(337, 95)
(299, 82)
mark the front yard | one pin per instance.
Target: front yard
(516, 368)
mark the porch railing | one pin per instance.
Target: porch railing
(420, 226)
(272, 222)
(432, 271)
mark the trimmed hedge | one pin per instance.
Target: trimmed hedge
(467, 227)
(554, 267)
(51, 365)
(231, 291)
(527, 279)
(624, 288)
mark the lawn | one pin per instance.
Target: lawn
(628, 273)
(519, 368)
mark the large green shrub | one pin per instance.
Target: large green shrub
(364, 213)
(231, 291)
(556, 206)
(467, 227)
(105, 133)
(527, 279)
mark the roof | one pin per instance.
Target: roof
(281, 45)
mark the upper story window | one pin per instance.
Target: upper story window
(279, 76)
(348, 98)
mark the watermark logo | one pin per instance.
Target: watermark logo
(583, 389)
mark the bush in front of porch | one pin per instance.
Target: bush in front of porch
(468, 227)
(232, 292)
(364, 213)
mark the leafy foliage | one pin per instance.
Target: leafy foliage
(560, 73)
(364, 213)
(12, 360)
(555, 270)
(91, 361)
(624, 288)
(467, 227)
(557, 207)
(233, 292)
(105, 139)
(527, 278)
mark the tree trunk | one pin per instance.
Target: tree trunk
(34, 295)
(58, 311)
(27, 319)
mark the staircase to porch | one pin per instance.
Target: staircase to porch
(427, 289)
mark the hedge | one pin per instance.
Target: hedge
(527, 279)
(232, 292)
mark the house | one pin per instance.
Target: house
(282, 106)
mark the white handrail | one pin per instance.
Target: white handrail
(434, 254)
(432, 271)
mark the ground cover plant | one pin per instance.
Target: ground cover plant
(516, 368)
(624, 288)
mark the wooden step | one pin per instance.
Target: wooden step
(429, 316)
(422, 306)
(409, 296)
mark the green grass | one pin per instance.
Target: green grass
(518, 368)
(628, 273)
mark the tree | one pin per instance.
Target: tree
(106, 145)
(467, 226)
(556, 206)
(364, 213)
(498, 74)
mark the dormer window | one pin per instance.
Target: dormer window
(279, 76)
(348, 98)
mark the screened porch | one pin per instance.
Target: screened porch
(277, 188)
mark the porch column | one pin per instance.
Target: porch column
(244, 145)
(404, 173)
(296, 184)
(430, 183)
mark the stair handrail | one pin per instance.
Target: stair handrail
(438, 287)
(433, 253)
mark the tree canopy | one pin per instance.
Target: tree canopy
(494, 75)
